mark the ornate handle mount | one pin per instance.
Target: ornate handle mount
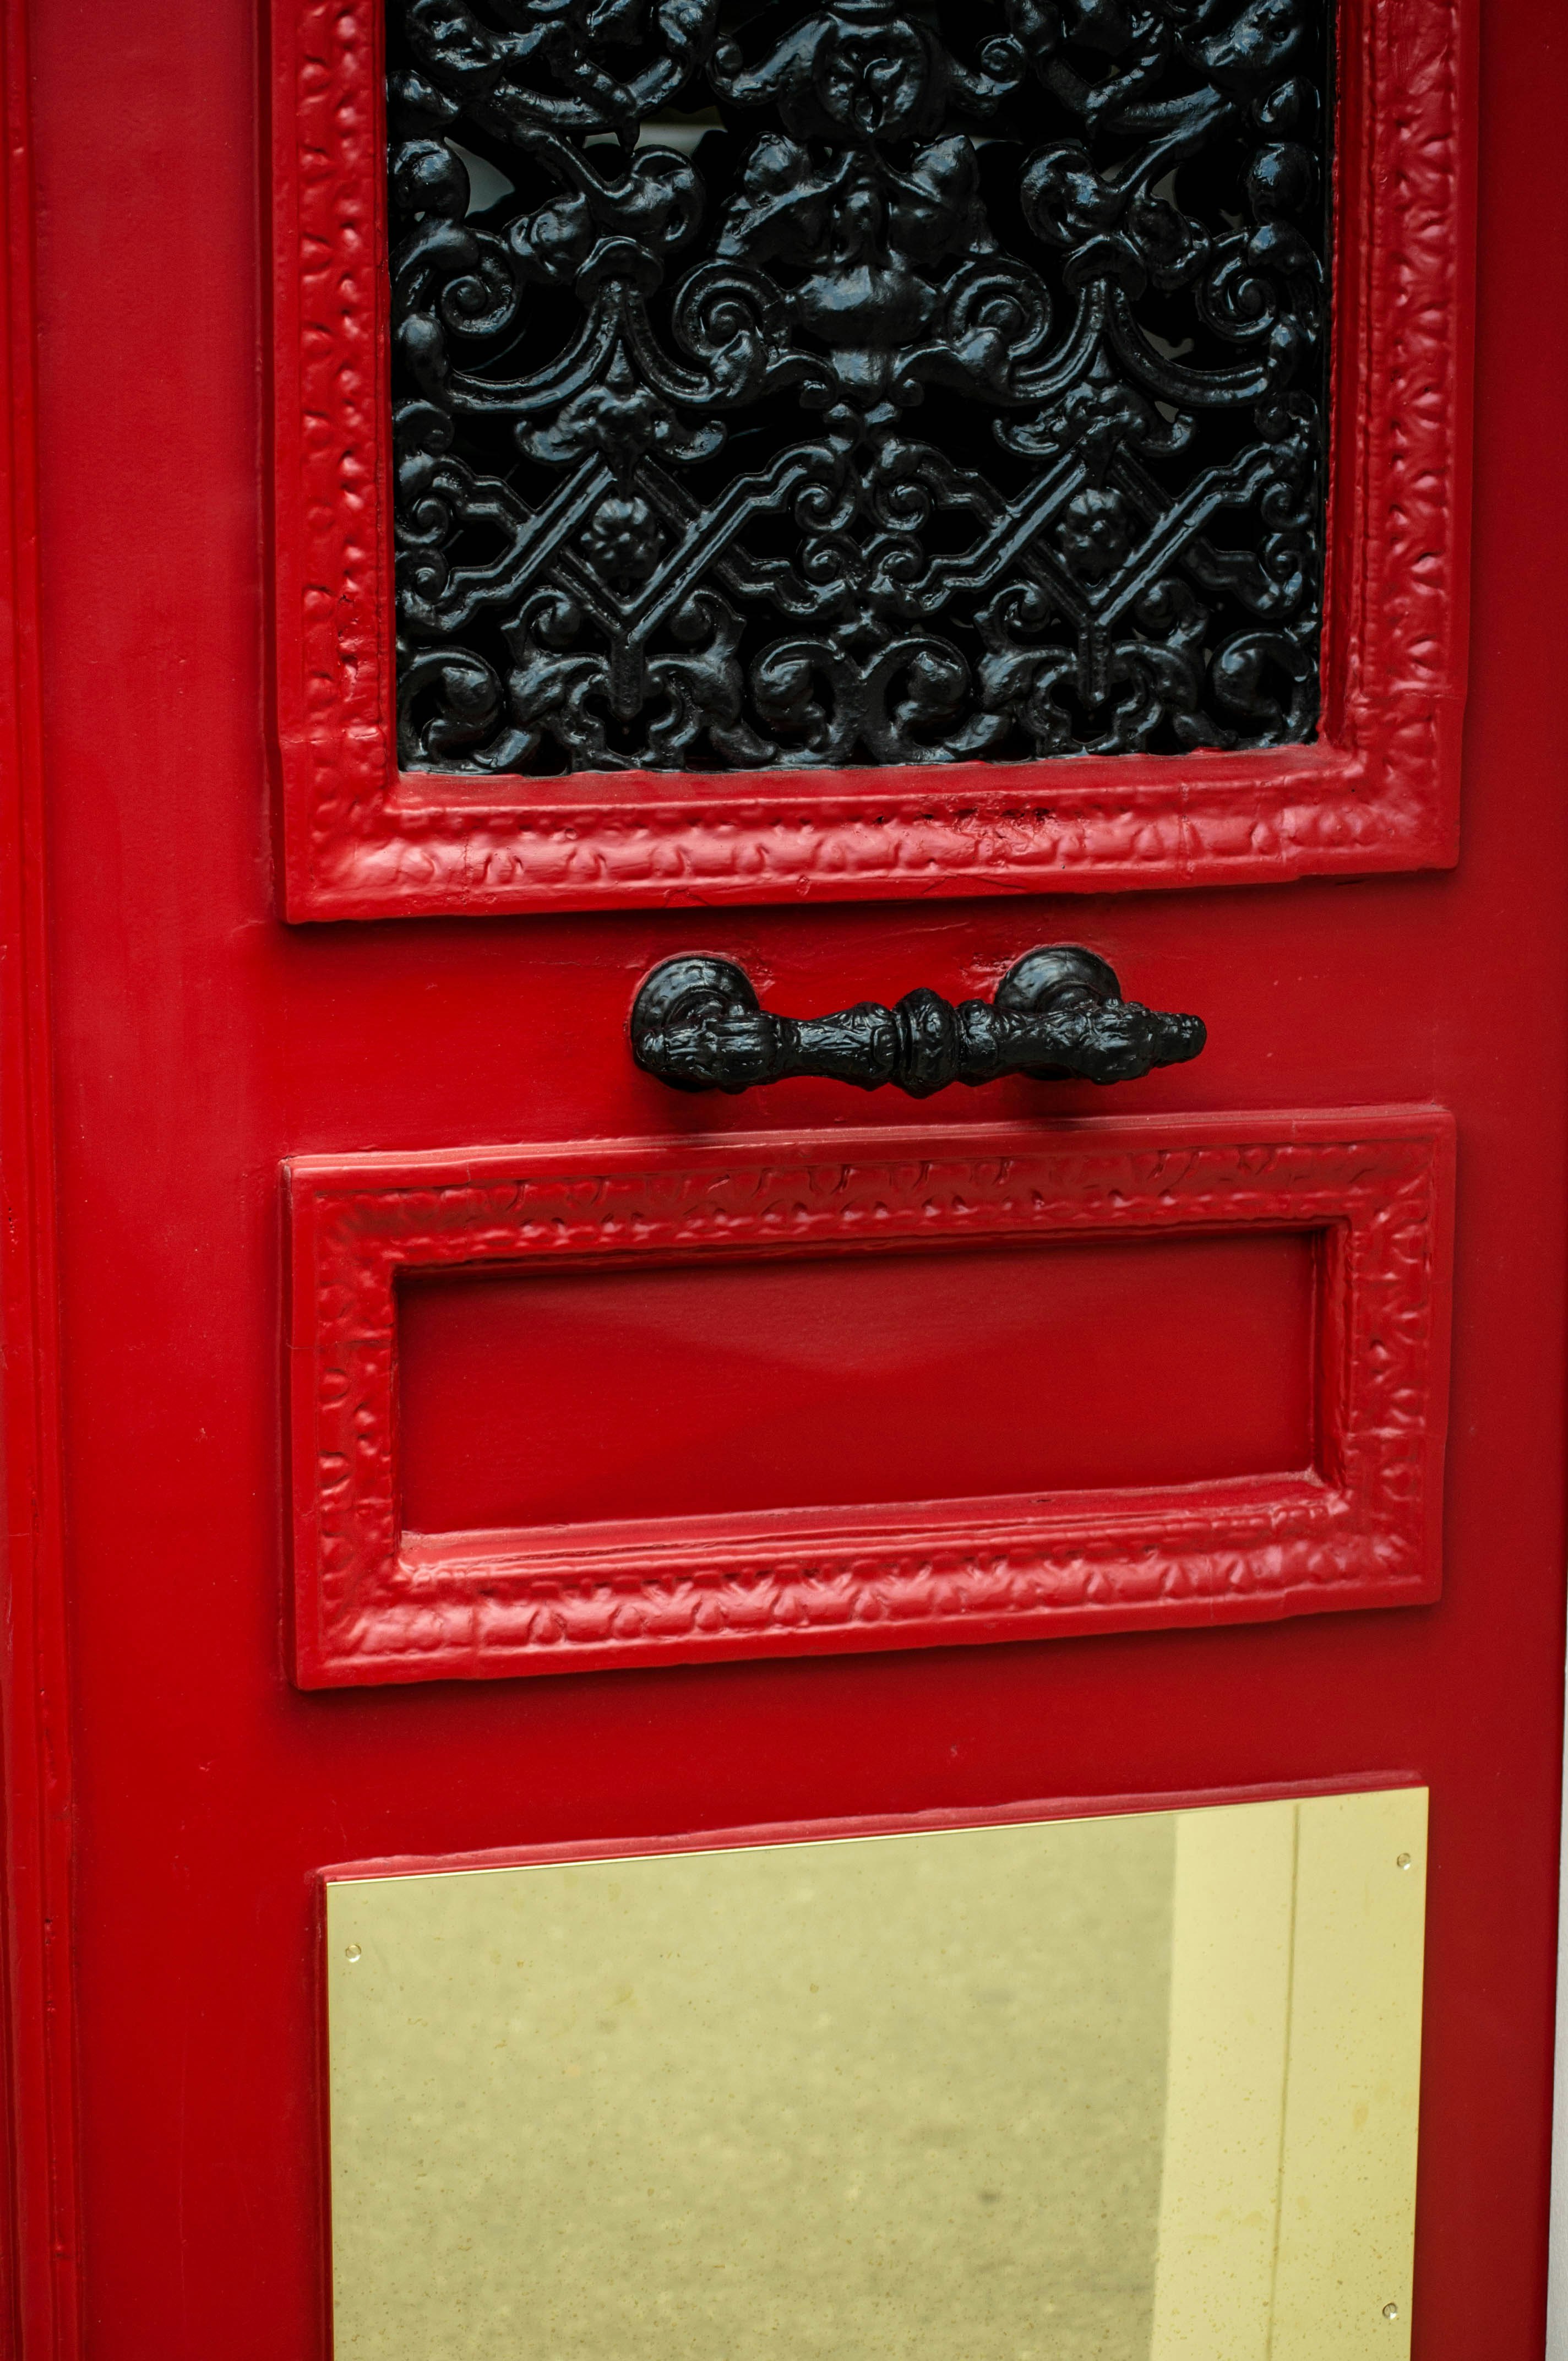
(698, 1025)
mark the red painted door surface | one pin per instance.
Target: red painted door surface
(221, 1679)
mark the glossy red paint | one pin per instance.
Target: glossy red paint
(1353, 1522)
(500, 1377)
(886, 1824)
(39, 2254)
(196, 1042)
(1378, 790)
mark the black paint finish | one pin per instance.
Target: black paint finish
(696, 1025)
(793, 384)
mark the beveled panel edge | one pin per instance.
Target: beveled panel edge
(1019, 1812)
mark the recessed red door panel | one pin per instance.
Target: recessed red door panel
(431, 1437)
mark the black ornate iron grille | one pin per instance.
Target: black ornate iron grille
(868, 381)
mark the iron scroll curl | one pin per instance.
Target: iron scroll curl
(698, 1025)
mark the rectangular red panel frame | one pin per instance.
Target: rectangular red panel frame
(1378, 790)
(1361, 1527)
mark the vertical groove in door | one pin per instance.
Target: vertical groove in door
(38, 2238)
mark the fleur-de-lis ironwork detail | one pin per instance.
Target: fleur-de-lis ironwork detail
(857, 382)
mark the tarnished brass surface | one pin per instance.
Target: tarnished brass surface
(1139, 2088)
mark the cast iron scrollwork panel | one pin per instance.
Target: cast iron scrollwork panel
(856, 382)
(698, 1025)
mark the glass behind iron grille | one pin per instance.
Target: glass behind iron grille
(865, 383)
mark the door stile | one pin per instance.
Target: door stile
(39, 2251)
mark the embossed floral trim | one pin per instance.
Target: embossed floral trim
(1360, 1527)
(1376, 790)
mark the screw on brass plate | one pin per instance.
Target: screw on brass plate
(1403, 1861)
(1390, 2311)
(352, 1952)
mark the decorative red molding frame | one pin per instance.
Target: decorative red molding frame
(1377, 791)
(39, 2247)
(1361, 1528)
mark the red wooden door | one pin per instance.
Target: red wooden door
(624, 1549)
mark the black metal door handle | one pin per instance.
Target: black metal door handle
(698, 1025)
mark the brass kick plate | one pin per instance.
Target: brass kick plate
(1136, 2088)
